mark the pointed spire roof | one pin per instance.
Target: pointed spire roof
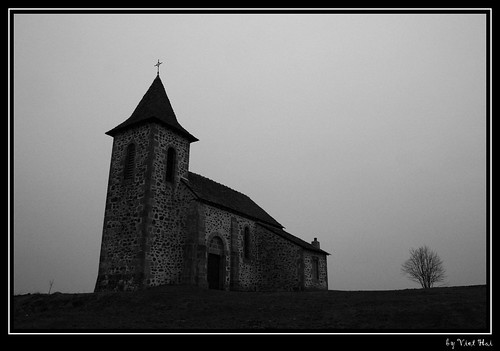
(154, 106)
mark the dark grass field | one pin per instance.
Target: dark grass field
(179, 309)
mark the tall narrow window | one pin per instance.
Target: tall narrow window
(128, 169)
(315, 268)
(246, 243)
(170, 165)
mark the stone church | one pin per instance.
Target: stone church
(166, 225)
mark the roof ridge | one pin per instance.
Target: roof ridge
(219, 194)
(220, 184)
(295, 239)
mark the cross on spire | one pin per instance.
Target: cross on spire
(158, 67)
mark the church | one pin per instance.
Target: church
(166, 225)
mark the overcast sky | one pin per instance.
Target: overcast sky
(366, 131)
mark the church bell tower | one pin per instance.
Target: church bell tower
(150, 156)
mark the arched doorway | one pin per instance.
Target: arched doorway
(215, 263)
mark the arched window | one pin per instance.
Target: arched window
(246, 243)
(128, 169)
(169, 176)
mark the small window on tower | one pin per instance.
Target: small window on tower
(128, 170)
(170, 165)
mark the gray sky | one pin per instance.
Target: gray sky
(366, 131)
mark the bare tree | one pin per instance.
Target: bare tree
(424, 266)
(51, 282)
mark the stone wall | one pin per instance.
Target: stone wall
(230, 228)
(169, 207)
(121, 259)
(311, 282)
(274, 263)
(146, 216)
(280, 262)
(195, 247)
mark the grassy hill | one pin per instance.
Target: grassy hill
(191, 309)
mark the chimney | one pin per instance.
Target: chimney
(315, 243)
